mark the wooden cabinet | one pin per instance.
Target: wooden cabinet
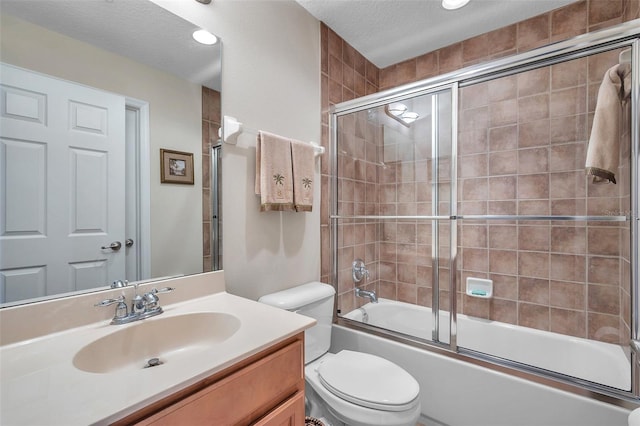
(290, 413)
(267, 390)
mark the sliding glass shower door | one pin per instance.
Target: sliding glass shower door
(394, 174)
(544, 248)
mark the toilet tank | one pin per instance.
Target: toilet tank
(315, 300)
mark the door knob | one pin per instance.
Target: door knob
(115, 246)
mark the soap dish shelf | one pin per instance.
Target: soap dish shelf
(478, 287)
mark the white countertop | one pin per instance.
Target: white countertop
(39, 384)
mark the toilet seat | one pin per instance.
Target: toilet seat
(369, 381)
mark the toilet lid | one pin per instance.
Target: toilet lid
(369, 381)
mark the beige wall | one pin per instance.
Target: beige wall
(270, 81)
(174, 123)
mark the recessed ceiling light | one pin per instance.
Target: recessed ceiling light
(453, 4)
(204, 37)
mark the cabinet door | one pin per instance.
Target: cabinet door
(290, 413)
(242, 397)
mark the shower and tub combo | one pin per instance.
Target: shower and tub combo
(485, 183)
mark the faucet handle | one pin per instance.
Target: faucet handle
(107, 302)
(359, 270)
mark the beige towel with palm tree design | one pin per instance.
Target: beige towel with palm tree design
(303, 157)
(274, 173)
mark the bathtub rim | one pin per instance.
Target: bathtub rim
(620, 398)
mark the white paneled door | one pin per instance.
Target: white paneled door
(62, 180)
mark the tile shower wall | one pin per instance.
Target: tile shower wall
(560, 24)
(211, 119)
(583, 318)
(346, 75)
(522, 147)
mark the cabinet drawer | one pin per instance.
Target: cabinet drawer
(290, 413)
(242, 397)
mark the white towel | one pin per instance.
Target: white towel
(303, 157)
(603, 151)
(274, 173)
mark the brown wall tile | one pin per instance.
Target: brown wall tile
(566, 267)
(502, 40)
(533, 264)
(572, 323)
(533, 290)
(475, 48)
(567, 295)
(604, 10)
(427, 65)
(533, 133)
(450, 58)
(570, 20)
(603, 299)
(534, 32)
(569, 74)
(568, 239)
(534, 316)
(504, 311)
(533, 82)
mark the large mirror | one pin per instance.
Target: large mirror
(108, 156)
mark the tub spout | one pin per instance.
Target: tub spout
(367, 293)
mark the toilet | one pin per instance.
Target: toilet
(347, 388)
(634, 418)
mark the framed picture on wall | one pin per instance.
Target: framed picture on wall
(176, 167)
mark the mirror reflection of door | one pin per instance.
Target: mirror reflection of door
(178, 84)
(62, 155)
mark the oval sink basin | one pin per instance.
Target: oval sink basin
(168, 339)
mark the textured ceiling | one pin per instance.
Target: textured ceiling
(138, 29)
(390, 31)
(384, 31)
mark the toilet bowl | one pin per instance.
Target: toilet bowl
(349, 387)
(361, 389)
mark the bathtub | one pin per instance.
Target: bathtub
(585, 359)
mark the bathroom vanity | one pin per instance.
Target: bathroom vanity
(266, 389)
(222, 359)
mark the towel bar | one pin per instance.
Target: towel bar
(231, 128)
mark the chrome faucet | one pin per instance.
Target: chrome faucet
(367, 293)
(142, 307)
